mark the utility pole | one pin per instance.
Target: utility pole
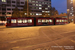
(27, 9)
(74, 10)
(68, 14)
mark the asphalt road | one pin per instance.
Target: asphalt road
(56, 37)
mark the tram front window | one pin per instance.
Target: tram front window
(8, 21)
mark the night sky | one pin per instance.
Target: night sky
(60, 5)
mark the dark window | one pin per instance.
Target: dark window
(3, 5)
(8, 9)
(21, 6)
(8, 12)
(30, 4)
(8, 1)
(18, 2)
(3, 9)
(13, 1)
(0, 13)
(18, 5)
(3, 13)
(12, 9)
(13, 5)
(22, 2)
(8, 5)
(45, 0)
(0, 8)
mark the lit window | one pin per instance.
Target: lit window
(40, 5)
(60, 20)
(43, 11)
(24, 21)
(50, 20)
(33, 1)
(3, 0)
(36, 4)
(30, 13)
(13, 20)
(20, 21)
(42, 2)
(29, 0)
(25, 13)
(36, 1)
(37, 14)
(45, 3)
(57, 20)
(40, 14)
(39, 20)
(29, 20)
(46, 8)
(40, 8)
(43, 20)
(65, 20)
(47, 20)
(72, 14)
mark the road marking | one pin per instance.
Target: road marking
(13, 42)
(73, 41)
(49, 39)
(16, 47)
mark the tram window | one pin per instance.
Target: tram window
(57, 20)
(65, 20)
(8, 21)
(19, 21)
(24, 21)
(29, 20)
(43, 20)
(47, 20)
(39, 20)
(50, 20)
(13, 20)
(60, 20)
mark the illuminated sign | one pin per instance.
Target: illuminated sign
(3, 0)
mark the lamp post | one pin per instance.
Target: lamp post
(74, 10)
(68, 14)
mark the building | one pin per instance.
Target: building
(7, 7)
(70, 9)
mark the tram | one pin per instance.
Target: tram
(34, 21)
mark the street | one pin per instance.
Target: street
(54, 37)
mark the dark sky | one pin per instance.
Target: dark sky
(60, 5)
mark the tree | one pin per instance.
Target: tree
(54, 11)
(16, 12)
(24, 13)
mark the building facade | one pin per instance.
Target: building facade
(7, 7)
(70, 9)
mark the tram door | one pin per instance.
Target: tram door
(8, 22)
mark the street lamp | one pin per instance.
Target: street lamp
(68, 14)
(74, 10)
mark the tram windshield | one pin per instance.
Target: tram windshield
(8, 20)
